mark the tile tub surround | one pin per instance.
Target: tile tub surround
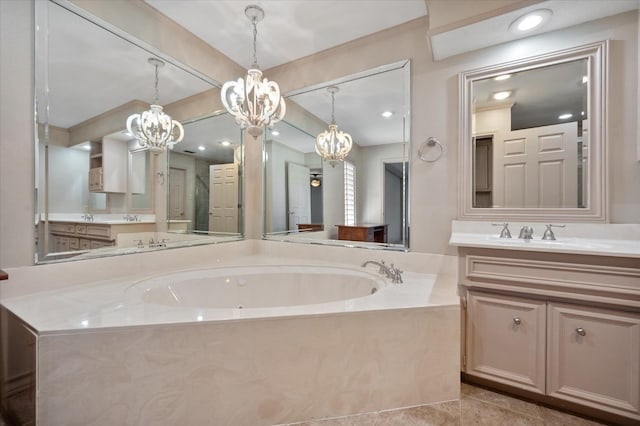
(243, 371)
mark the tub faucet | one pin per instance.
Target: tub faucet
(526, 233)
(390, 271)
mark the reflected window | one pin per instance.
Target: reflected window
(349, 193)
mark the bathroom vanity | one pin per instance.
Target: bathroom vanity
(557, 320)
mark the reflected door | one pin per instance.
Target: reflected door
(177, 193)
(537, 167)
(299, 195)
(223, 198)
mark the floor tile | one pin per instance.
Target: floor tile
(476, 412)
(504, 401)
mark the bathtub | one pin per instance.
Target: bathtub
(240, 344)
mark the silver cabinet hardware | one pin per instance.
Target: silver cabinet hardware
(581, 331)
(517, 321)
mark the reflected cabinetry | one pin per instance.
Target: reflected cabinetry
(564, 329)
(108, 166)
(69, 236)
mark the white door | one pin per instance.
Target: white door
(177, 193)
(299, 195)
(223, 198)
(537, 167)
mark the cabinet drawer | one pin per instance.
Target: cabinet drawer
(66, 228)
(99, 244)
(594, 357)
(99, 230)
(81, 229)
(506, 340)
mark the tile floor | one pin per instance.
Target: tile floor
(477, 406)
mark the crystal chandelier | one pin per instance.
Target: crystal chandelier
(333, 145)
(254, 102)
(153, 129)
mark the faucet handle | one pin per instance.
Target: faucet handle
(526, 232)
(548, 233)
(504, 232)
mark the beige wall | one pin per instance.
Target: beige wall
(434, 110)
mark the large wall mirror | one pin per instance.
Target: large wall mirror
(362, 201)
(98, 193)
(532, 141)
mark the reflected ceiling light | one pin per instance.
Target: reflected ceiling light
(501, 95)
(565, 116)
(153, 129)
(582, 113)
(225, 143)
(201, 148)
(315, 182)
(530, 21)
(333, 145)
(387, 114)
(275, 133)
(254, 102)
(585, 79)
(502, 77)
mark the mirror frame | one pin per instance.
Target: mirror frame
(596, 55)
(405, 65)
(41, 98)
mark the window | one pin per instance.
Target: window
(349, 193)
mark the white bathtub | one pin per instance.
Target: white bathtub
(256, 287)
(241, 345)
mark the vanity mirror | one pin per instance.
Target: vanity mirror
(98, 193)
(362, 201)
(532, 138)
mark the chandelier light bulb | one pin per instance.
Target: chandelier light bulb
(333, 145)
(254, 101)
(153, 129)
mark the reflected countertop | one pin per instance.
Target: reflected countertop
(102, 219)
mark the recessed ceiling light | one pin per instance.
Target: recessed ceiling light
(502, 77)
(530, 21)
(582, 113)
(225, 143)
(275, 133)
(565, 116)
(387, 114)
(201, 148)
(501, 95)
(585, 79)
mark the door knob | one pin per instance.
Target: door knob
(517, 321)
(581, 331)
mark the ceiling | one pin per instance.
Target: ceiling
(291, 29)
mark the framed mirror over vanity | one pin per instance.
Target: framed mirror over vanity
(533, 140)
(362, 201)
(98, 192)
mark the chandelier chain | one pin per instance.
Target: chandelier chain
(333, 99)
(254, 21)
(156, 100)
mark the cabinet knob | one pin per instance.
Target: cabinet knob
(581, 331)
(517, 321)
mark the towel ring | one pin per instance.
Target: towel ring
(431, 142)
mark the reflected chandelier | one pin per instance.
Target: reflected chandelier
(153, 129)
(254, 102)
(333, 145)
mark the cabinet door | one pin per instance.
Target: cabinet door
(594, 357)
(506, 340)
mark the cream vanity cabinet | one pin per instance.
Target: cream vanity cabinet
(108, 166)
(69, 236)
(562, 327)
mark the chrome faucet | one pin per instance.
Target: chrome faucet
(504, 233)
(526, 233)
(88, 217)
(548, 233)
(390, 271)
(130, 218)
